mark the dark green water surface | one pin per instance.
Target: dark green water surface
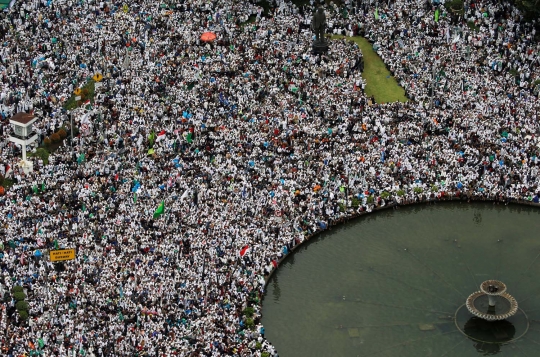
(389, 284)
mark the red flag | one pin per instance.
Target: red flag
(274, 263)
(244, 250)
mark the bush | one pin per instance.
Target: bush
(22, 306)
(400, 193)
(249, 311)
(265, 354)
(418, 190)
(62, 133)
(55, 138)
(47, 141)
(370, 199)
(341, 207)
(19, 296)
(434, 188)
(250, 324)
(17, 289)
(355, 202)
(385, 195)
(258, 345)
(23, 314)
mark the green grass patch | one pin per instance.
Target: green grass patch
(379, 82)
(88, 92)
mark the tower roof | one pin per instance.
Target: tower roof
(23, 119)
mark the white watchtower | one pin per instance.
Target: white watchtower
(23, 134)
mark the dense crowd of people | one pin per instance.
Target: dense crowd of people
(250, 144)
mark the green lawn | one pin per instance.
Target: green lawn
(379, 82)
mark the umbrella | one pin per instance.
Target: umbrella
(208, 37)
(38, 253)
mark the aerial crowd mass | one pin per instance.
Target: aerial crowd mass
(197, 166)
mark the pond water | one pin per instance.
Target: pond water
(394, 283)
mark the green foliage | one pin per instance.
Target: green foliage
(341, 207)
(418, 190)
(7, 183)
(385, 195)
(265, 354)
(17, 289)
(19, 296)
(370, 199)
(23, 314)
(249, 311)
(355, 202)
(258, 345)
(434, 188)
(22, 306)
(455, 6)
(250, 324)
(473, 26)
(43, 154)
(530, 8)
(535, 83)
(88, 92)
(400, 193)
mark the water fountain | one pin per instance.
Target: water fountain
(434, 266)
(494, 292)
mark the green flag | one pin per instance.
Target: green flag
(56, 244)
(152, 138)
(80, 159)
(189, 138)
(35, 189)
(376, 13)
(437, 15)
(150, 151)
(135, 198)
(160, 210)
(43, 187)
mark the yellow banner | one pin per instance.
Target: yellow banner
(62, 254)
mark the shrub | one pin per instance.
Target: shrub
(418, 190)
(434, 188)
(62, 133)
(355, 202)
(17, 289)
(385, 194)
(19, 296)
(23, 314)
(21, 306)
(341, 207)
(249, 311)
(47, 141)
(250, 324)
(370, 199)
(265, 354)
(258, 345)
(400, 193)
(55, 138)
